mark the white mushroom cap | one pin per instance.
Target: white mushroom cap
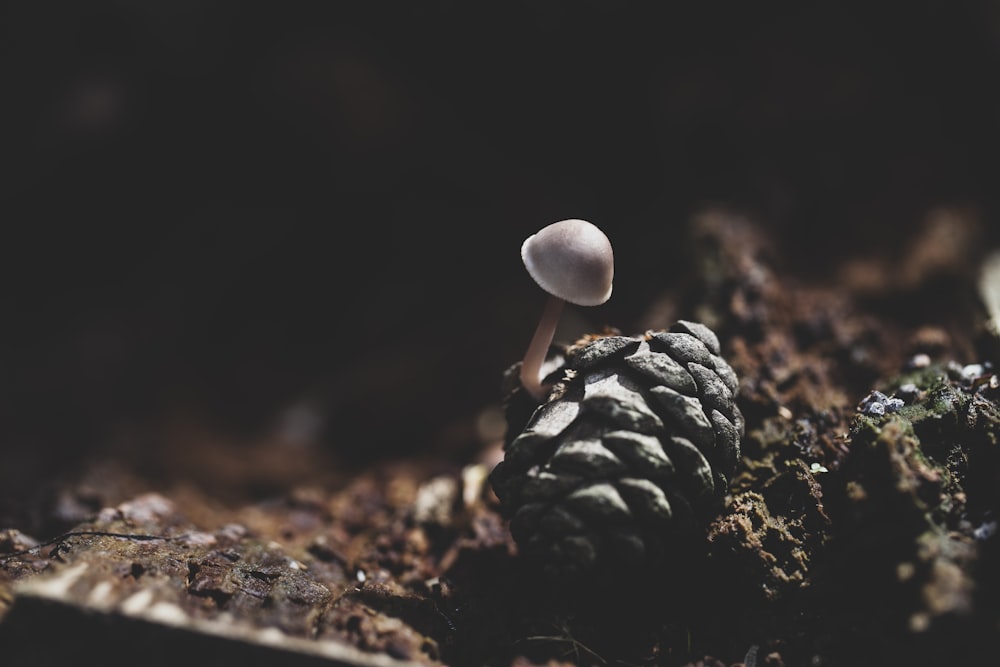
(572, 260)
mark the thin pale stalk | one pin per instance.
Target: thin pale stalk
(538, 349)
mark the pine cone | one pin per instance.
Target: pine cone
(630, 453)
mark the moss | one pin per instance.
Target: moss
(917, 487)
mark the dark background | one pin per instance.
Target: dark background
(220, 209)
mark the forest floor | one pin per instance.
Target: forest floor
(851, 535)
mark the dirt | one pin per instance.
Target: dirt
(263, 300)
(850, 535)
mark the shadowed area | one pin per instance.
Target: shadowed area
(236, 222)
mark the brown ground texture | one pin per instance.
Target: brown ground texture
(834, 547)
(262, 286)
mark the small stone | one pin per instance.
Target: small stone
(893, 404)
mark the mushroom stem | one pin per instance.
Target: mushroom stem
(538, 349)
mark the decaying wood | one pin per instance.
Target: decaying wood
(305, 582)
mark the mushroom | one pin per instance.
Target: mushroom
(572, 261)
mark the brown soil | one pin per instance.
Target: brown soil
(230, 436)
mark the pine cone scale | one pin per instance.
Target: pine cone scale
(632, 451)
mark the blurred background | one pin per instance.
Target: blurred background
(223, 220)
